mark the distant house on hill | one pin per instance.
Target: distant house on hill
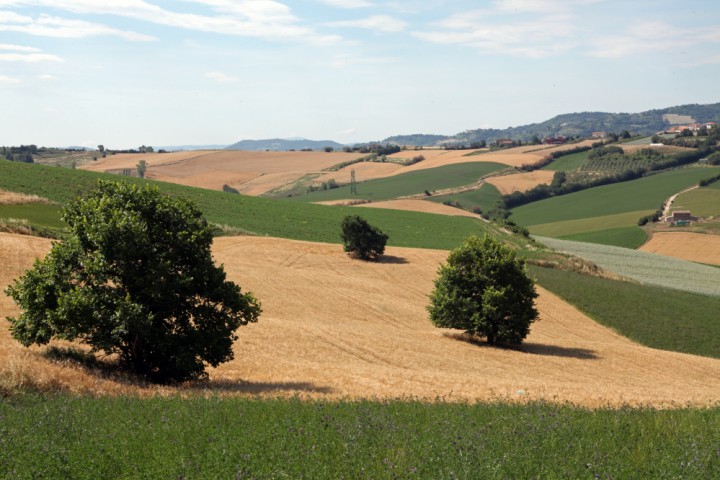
(599, 134)
(503, 142)
(559, 140)
(680, 217)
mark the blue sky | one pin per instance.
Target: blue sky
(130, 72)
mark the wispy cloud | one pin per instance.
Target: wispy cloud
(380, 23)
(22, 53)
(266, 19)
(347, 3)
(5, 80)
(220, 77)
(47, 77)
(47, 26)
(646, 37)
(346, 60)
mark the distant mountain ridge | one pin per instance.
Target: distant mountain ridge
(581, 124)
(282, 144)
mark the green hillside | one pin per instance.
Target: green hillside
(411, 183)
(258, 216)
(647, 193)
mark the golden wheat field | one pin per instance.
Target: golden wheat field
(424, 206)
(695, 247)
(521, 182)
(251, 173)
(333, 327)
(15, 198)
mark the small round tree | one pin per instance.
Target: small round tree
(134, 278)
(484, 289)
(362, 239)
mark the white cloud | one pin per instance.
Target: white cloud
(347, 3)
(647, 37)
(382, 23)
(220, 77)
(47, 26)
(29, 57)
(346, 60)
(18, 48)
(5, 80)
(46, 77)
(253, 18)
(347, 132)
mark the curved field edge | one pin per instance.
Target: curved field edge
(626, 237)
(646, 193)
(411, 183)
(256, 216)
(90, 438)
(652, 316)
(644, 267)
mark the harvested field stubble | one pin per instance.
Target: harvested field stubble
(695, 247)
(335, 327)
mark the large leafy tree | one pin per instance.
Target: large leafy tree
(484, 289)
(135, 278)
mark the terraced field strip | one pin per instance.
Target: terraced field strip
(694, 247)
(333, 327)
(407, 184)
(419, 206)
(644, 267)
(485, 198)
(627, 237)
(521, 182)
(592, 224)
(646, 193)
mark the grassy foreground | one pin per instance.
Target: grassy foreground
(85, 438)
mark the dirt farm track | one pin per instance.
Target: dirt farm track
(333, 327)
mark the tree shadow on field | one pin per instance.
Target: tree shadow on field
(532, 348)
(557, 351)
(392, 260)
(243, 386)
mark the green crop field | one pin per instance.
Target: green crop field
(35, 213)
(197, 437)
(590, 224)
(646, 193)
(485, 198)
(702, 202)
(654, 316)
(412, 183)
(255, 215)
(568, 163)
(627, 237)
(645, 267)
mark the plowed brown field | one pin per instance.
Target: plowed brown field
(696, 247)
(251, 173)
(335, 327)
(521, 182)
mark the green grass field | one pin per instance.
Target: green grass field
(569, 163)
(702, 202)
(646, 193)
(202, 438)
(590, 224)
(259, 216)
(658, 317)
(412, 183)
(41, 214)
(485, 198)
(627, 237)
